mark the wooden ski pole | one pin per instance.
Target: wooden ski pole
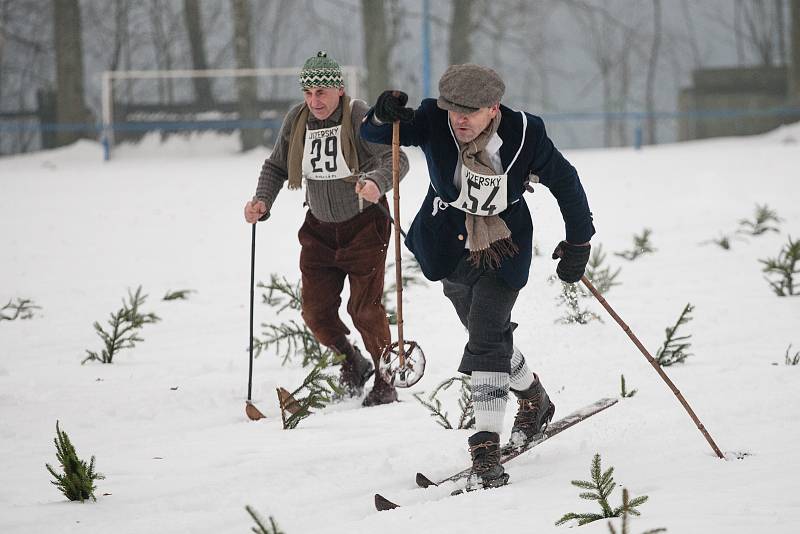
(655, 365)
(398, 269)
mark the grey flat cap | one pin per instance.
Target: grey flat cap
(467, 88)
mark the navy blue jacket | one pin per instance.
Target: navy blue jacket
(434, 239)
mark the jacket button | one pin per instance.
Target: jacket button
(461, 237)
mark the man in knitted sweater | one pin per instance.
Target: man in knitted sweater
(474, 233)
(346, 229)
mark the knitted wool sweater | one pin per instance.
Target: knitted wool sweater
(328, 200)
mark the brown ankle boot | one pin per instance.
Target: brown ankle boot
(355, 369)
(382, 393)
(534, 412)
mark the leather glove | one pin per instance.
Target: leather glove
(573, 260)
(390, 107)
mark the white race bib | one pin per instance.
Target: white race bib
(482, 194)
(322, 155)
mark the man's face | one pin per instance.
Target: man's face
(467, 126)
(322, 101)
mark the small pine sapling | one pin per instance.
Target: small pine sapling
(761, 222)
(624, 527)
(178, 294)
(624, 393)
(261, 527)
(784, 270)
(22, 309)
(792, 360)
(282, 294)
(601, 277)
(320, 390)
(466, 418)
(641, 246)
(675, 348)
(570, 298)
(76, 481)
(600, 488)
(290, 338)
(124, 325)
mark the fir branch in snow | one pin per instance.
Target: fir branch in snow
(601, 276)
(282, 294)
(320, 390)
(178, 294)
(291, 338)
(791, 360)
(22, 309)
(784, 270)
(435, 407)
(761, 222)
(570, 298)
(76, 481)
(124, 325)
(641, 246)
(624, 527)
(261, 527)
(599, 489)
(466, 418)
(624, 393)
(676, 348)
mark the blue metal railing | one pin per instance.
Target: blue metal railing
(638, 118)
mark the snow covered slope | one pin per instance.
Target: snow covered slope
(166, 420)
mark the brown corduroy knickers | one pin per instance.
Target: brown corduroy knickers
(355, 249)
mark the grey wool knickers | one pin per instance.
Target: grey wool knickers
(483, 302)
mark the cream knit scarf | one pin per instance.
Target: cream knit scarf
(489, 239)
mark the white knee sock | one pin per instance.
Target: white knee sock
(489, 398)
(521, 377)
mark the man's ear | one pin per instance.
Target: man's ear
(494, 110)
(341, 91)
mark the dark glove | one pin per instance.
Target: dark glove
(390, 107)
(573, 261)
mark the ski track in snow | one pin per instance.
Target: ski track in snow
(78, 232)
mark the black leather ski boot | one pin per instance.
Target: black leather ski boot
(484, 448)
(534, 412)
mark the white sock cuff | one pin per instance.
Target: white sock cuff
(489, 398)
(521, 376)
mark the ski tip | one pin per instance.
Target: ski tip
(424, 482)
(382, 503)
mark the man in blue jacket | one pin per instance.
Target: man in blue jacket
(474, 233)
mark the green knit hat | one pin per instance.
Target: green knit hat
(321, 71)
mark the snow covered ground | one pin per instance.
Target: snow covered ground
(166, 420)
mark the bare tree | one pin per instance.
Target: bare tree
(459, 46)
(376, 47)
(652, 67)
(70, 106)
(162, 29)
(794, 65)
(194, 29)
(246, 87)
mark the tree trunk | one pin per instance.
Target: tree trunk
(245, 85)
(652, 68)
(194, 27)
(376, 47)
(794, 55)
(459, 47)
(70, 106)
